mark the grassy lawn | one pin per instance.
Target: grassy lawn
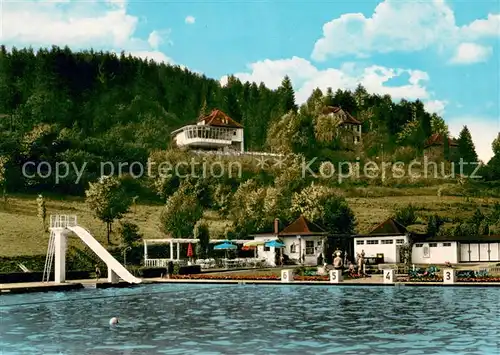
(21, 232)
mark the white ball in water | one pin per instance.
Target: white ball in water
(113, 321)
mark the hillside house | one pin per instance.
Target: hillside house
(215, 131)
(435, 146)
(347, 122)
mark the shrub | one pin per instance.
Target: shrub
(129, 233)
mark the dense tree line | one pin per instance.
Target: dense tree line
(91, 107)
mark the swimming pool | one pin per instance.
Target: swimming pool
(253, 319)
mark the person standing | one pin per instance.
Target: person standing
(97, 273)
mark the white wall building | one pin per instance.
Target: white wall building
(304, 242)
(384, 240)
(387, 238)
(216, 131)
(439, 250)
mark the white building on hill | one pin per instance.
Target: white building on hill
(215, 131)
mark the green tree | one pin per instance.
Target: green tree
(496, 145)
(466, 149)
(247, 208)
(129, 233)
(406, 215)
(438, 125)
(434, 225)
(201, 233)
(181, 212)
(287, 96)
(322, 205)
(42, 211)
(108, 201)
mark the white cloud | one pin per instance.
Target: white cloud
(306, 77)
(482, 28)
(154, 39)
(190, 20)
(436, 106)
(77, 24)
(395, 25)
(468, 53)
(156, 56)
(158, 37)
(483, 131)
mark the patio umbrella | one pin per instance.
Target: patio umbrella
(190, 251)
(225, 246)
(275, 244)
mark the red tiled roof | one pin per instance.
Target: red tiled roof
(389, 227)
(349, 119)
(219, 118)
(438, 140)
(301, 226)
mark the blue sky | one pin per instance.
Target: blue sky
(444, 52)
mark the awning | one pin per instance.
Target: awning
(254, 243)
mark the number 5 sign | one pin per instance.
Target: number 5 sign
(335, 276)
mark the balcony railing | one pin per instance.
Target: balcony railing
(62, 221)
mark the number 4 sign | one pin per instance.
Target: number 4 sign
(389, 276)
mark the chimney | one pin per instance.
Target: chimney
(276, 226)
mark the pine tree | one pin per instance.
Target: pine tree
(466, 148)
(203, 109)
(287, 96)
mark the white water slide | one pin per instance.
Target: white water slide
(105, 256)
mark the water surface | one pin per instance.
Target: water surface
(253, 319)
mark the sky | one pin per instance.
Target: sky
(445, 53)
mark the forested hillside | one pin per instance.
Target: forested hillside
(90, 107)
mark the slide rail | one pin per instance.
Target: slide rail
(63, 221)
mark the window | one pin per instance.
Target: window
(360, 242)
(447, 244)
(400, 241)
(433, 245)
(267, 248)
(309, 247)
(293, 248)
(387, 241)
(372, 242)
(419, 245)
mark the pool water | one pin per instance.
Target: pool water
(253, 319)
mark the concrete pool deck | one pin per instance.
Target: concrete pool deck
(375, 280)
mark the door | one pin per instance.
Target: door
(398, 254)
(494, 251)
(484, 252)
(474, 252)
(464, 253)
(427, 251)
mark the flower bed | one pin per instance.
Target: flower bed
(479, 279)
(459, 279)
(252, 277)
(225, 277)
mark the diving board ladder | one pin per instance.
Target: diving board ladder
(49, 259)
